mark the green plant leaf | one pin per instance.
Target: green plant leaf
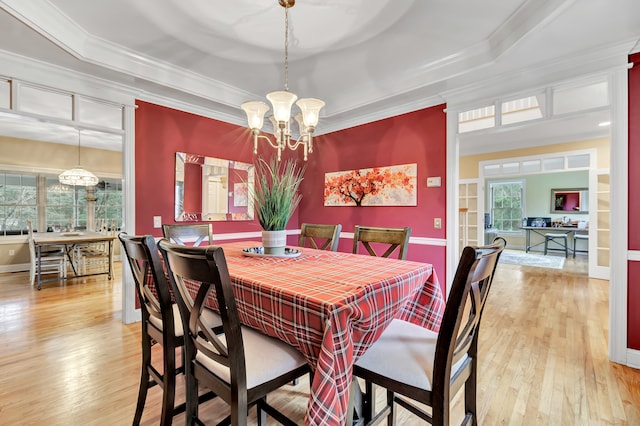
(275, 194)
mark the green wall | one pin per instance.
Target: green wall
(537, 191)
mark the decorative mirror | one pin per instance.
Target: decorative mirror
(572, 200)
(212, 189)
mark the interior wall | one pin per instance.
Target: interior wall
(537, 201)
(469, 163)
(417, 137)
(31, 154)
(633, 278)
(160, 133)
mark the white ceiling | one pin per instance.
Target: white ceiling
(366, 58)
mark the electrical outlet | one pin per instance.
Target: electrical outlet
(437, 223)
(12, 252)
(157, 221)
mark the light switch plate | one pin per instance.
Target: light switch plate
(157, 221)
(437, 223)
(434, 181)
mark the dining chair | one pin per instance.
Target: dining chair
(161, 324)
(415, 363)
(321, 237)
(53, 259)
(240, 365)
(184, 233)
(94, 257)
(393, 238)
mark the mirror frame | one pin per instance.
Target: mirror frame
(560, 196)
(234, 178)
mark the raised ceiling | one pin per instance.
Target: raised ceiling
(366, 58)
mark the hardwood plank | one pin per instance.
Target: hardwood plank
(67, 359)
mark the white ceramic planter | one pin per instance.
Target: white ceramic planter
(274, 242)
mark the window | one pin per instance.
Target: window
(476, 119)
(17, 202)
(108, 208)
(523, 109)
(65, 205)
(52, 206)
(507, 205)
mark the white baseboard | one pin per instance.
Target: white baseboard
(633, 358)
(19, 267)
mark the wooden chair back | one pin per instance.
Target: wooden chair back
(458, 336)
(152, 287)
(321, 237)
(204, 269)
(391, 238)
(180, 233)
(159, 324)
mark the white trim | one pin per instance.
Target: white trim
(453, 202)
(422, 241)
(633, 358)
(619, 217)
(33, 71)
(129, 312)
(18, 267)
(49, 171)
(633, 256)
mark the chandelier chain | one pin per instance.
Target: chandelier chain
(286, 45)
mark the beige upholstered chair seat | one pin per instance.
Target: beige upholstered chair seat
(212, 317)
(265, 357)
(408, 346)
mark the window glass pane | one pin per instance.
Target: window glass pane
(523, 109)
(17, 202)
(575, 161)
(5, 94)
(506, 205)
(531, 166)
(45, 102)
(476, 119)
(553, 163)
(580, 98)
(99, 113)
(511, 168)
(491, 169)
(108, 211)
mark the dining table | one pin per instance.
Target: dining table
(70, 241)
(331, 306)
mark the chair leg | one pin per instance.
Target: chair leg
(169, 385)
(144, 377)
(471, 416)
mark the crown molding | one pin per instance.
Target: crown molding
(51, 23)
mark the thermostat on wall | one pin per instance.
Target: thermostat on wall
(433, 181)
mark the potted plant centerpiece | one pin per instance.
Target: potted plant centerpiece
(275, 197)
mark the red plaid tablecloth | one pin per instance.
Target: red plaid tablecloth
(331, 306)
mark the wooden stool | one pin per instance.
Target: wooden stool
(551, 237)
(576, 237)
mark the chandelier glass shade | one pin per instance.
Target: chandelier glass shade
(281, 103)
(78, 176)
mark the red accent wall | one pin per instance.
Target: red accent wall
(160, 132)
(633, 283)
(417, 137)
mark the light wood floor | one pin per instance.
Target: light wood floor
(66, 358)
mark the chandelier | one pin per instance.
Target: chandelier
(78, 176)
(282, 101)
